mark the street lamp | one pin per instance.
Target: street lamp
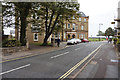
(99, 30)
(114, 28)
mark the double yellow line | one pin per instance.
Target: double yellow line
(77, 65)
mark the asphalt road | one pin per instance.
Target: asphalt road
(57, 64)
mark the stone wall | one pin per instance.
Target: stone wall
(10, 50)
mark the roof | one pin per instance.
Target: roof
(82, 14)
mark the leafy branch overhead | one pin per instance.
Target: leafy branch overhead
(46, 15)
(53, 15)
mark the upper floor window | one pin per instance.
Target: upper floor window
(64, 26)
(84, 20)
(76, 26)
(79, 19)
(73, 27)
(82, 27)
(73, 17)
(68, 26)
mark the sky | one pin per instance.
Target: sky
(99, 12)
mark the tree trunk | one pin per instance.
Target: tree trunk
(45, 40)
(23, 30)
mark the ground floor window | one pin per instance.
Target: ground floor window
(68, 36)
(73, 36)
(35, 36)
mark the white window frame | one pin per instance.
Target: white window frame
(84, 19)
(34, 37)
(73, 27)
(64, 35)
(64, 26)
(76, 27)
(79, 36)
(82, 27)
(79, 18)
(68, 26)
(82, 36)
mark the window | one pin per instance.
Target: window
(73, 27)
(82, 36)
(64, 35)
(35, 36)
(79, 19)
(64, 26)
(68, 26)
(82, 27)
(84, 20)
(76, 27)
(73, 17)
(79, 36)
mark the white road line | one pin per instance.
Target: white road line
(60, 55)
(14, 69)
(77, 49)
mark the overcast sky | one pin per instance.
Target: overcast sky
(99, 11)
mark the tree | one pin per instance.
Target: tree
(22, 9)
(109, 32)
(100, 33)
(50, 14)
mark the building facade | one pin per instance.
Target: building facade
(118, 21)
(77, 28)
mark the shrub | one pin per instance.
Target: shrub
(17, 43)
(10, 43)
(118, 41)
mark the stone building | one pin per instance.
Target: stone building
(77, 28)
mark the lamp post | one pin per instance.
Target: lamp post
(99, 30)
(114, 28)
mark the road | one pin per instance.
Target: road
(59, 64)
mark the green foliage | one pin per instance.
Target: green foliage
(100, 33)
(109, 32)
(118, 41)
(53, 14)
(10, 43)
(96, 39)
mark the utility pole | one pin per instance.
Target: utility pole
(99, 30)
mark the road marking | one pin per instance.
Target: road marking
(77, 49)
(77, 65)
(14, 69)
(74, 76)
(60, 55)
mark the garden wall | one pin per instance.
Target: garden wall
(10, 50)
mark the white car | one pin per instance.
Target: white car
(71, 41)
(78, 40)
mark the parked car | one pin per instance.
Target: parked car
(78, 40)
(84, 40)
(71, 41)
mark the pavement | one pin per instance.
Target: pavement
(105, 65)
(34, 50)
(65, 62)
